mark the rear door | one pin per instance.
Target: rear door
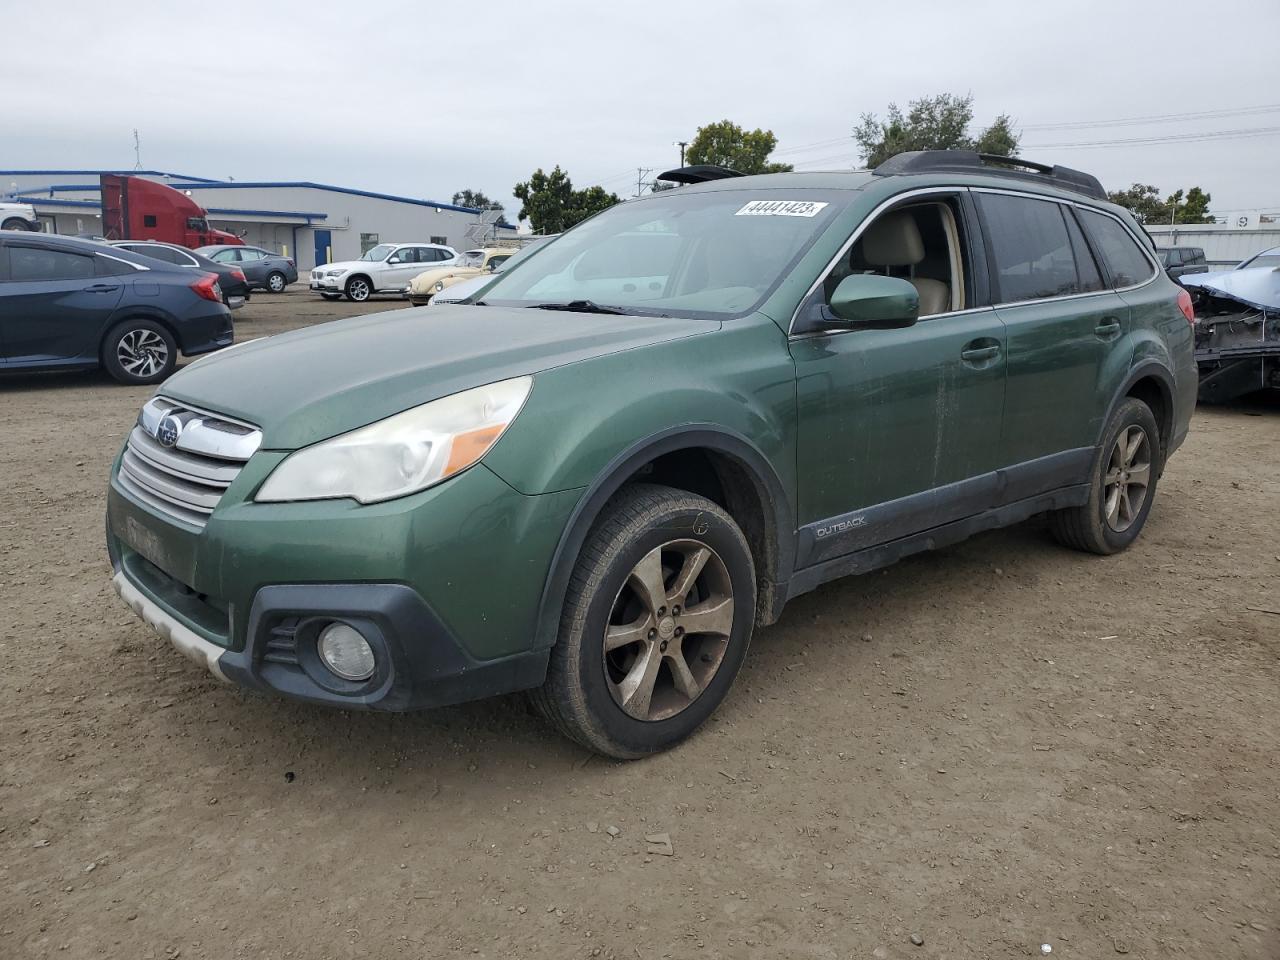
(254, 264)
(1066, 333)
(53, 306)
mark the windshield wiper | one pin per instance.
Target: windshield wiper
(580, 306)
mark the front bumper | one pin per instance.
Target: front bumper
(451, 618)
(326, 284)
(419, 664)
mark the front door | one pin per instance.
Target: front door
(52, 306)
(899, 429)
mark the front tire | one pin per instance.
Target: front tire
(655, 626)
(138, 352)
(1126, 469)
(16, 223)
(277, 281)
(359, 289)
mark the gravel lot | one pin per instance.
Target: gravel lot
(996, 746)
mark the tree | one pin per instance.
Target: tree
(1143, 201)
(726, 144)
(475, 199)
(551, 205)
(931, 123)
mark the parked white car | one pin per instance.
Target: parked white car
(18, 216)
(387, 268)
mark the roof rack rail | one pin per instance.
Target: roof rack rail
(698, 173)
(968, 161)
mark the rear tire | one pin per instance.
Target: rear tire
(626, 678)
(1122, 485)
(138, 352)
(16, 223)
(277, 281)
(359, 289)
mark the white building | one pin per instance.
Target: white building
(1224, 244)
(311, 222)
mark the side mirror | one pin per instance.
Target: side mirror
(875, 301)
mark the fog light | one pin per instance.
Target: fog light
(346, 652)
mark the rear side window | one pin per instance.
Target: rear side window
(1032, 248)
(1195, 255)
(1124, 259)
(28, 264)
(224, 256)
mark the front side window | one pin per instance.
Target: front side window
(1033, 254)
(160, 253)
(1124, 259)
(224, 256)
(921, 243)
(378, 253)
(714, 254)
(248, 255)
(30, 264)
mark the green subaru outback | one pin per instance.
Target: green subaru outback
(596, 480)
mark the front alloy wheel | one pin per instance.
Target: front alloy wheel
(669, 630)
(359, 290)
(655, 624)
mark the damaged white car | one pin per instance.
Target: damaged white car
(1238, 327)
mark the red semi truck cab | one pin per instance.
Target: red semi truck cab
(134, 208)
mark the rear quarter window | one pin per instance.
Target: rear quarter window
(1126, 264)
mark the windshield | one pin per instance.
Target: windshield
(380, 252)
(713, 255)
(1261, 260)
(472, 258)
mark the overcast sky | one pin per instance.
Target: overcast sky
(425, 98)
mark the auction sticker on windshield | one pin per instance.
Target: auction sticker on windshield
(781, 208)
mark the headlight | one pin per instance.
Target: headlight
(439, 286)
(401, 454)
(333, 273)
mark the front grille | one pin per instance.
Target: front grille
(180, 461)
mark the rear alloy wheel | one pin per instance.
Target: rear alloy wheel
(277, 281)
(655, 626)
(359, 289)
(1125, 471)
(139, 352)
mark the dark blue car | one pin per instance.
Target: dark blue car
(68, 303)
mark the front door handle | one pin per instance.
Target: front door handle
(1107, 327)
(978, 354)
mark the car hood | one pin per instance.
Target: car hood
(424, 280)
(317, 382)
(347, 265)
(1254, 286)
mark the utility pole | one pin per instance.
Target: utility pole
(682, 144)
(641, 173)
(137, 150)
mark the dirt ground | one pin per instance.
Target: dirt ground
(996, 746)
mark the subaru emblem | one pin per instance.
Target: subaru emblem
(168, 430)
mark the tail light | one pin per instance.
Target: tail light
(1186, 306)
(207, 287)
(291, 263)
(238, 274)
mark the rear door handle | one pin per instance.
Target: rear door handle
(103, 288)
(1109, 327)
(978, 354)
